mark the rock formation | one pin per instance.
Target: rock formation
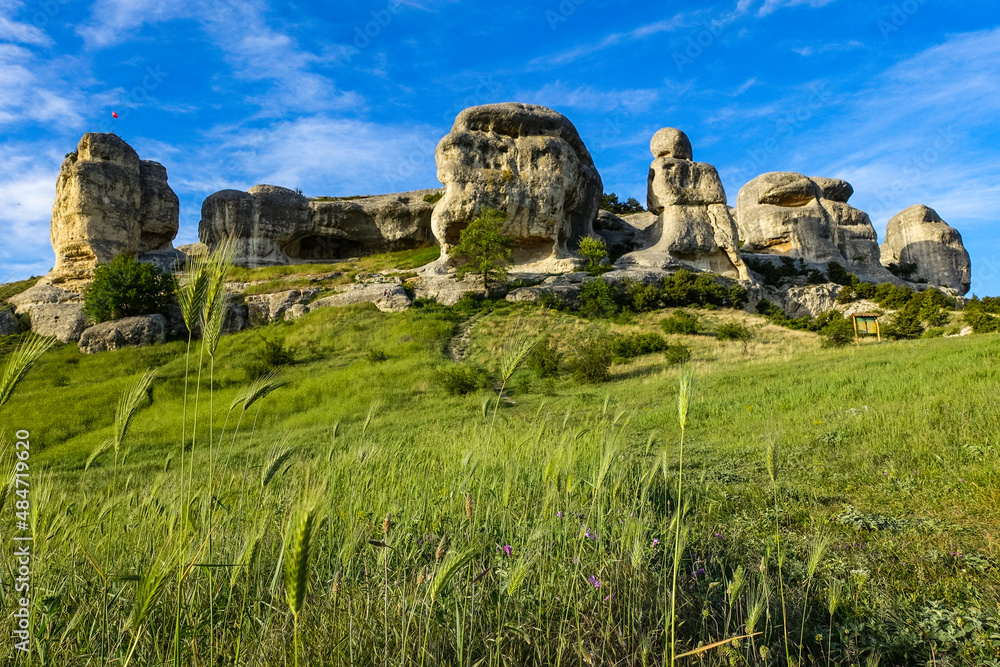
(919, 236)
(791, 215)
(274, 225)
(128, 332)
(693, 226)
(109, 203)
(528, 161)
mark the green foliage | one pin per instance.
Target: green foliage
(836, 330)
(591, 360)
(593, 250)
(487, 251)
(935, 332)
(598, 298)
(273, 354)
(681, 322)
(126, 288)
(609, 202)
(734, 331)
(786, 268)
(376, 355)
(905, 323)
(838, 274)
(630, 346)
(545, 358)
(461, 379)
(904, 270)
(434, 197)
(981, 314)
(685, 288)
(677, 354)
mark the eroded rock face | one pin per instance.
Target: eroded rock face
(8, 323)
(274, 225)
(919, 236)
(108, 203)
(785, 213)
(693, 226)
(529, 161)
(128, 332)
(65, 321)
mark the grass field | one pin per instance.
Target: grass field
(840, 506)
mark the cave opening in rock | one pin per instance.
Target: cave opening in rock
(323, 248)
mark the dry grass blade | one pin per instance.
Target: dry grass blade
(709, 647)
(20, 362)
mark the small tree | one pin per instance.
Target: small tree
(736, 331)
(125, 288)
(593, 250)
(487, 251)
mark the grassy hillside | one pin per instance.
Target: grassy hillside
(533, 530)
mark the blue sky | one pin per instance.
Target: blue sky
(902, 99)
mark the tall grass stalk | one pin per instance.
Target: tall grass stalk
(298, 547)
(686, 380)
(772, 462)
(20, 362)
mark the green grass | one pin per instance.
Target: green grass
(402, 260)
(889, 451)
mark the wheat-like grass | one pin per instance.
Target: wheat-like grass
(20, 362)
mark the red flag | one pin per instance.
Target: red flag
(114, 114)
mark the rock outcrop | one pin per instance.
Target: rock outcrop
(788, 214)
(128, 332)
(918, 236)
(64, 321)
(693, 226)
(266, 308)
(8, 323)
(273, 225)
(109, 203)
(528, 161)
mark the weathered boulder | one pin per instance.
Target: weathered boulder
(693, 226)
(388, 298)
(8, 323)
(109, 203)
(274, 225)
(788, 214)
(528, 161)
(617, 233)
(42, 294)
(65, 321)
(565, 288)
(919, 236)
(129, 332)
(268, 308)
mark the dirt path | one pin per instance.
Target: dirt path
(458, 344)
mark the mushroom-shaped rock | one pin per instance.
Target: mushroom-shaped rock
(528, 161)
(693, 226)
(108, 203)
(785, 213)
(274, 225)
(919, 236)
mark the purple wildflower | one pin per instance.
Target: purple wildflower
(559, 514)
(594, 581)
(656, 542)
(507, 549)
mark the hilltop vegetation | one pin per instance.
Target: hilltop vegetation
(533, 529)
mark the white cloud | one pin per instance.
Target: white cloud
(17, 32)
(27, 189)
(35, 91)
(771, 6)
(613, 39)
(558, 95)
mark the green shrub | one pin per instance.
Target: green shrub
(776, 274)
(902, 270)
(273, 355)
(434, 197)
(486, 250)
(593, 250)
(598, 298)
(462, 379)
(904, 324)
(642, 297)
(685, 288)
(735, 331)
(545, 359)
(591, 360)
(626, 347)
(936, 332)
(980, 321)
(837, 330)
(683, 322)
(677, 354)
(125, 288)
(838, 274)
(376, 355)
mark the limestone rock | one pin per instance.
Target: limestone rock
(108, 203)
(295, 311)
(388, 298)
(919, 236)
(42, 294)
(566, 288)
(785, 213)
(8, 323)
(617, 233)
(194, 249)
(528, 161)
(693, 226)
(128, 332)
(810, 300)
(268, 308)
(274, 225)
(65, 321)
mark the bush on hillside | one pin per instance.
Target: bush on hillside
(598, 298)
(593, 250)
(735, 331)
(461, 379)
(126, 288)
(591, 360)
(545, 359)
(837, 330)
(681, 322)
(630, 346)
(677, 354)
